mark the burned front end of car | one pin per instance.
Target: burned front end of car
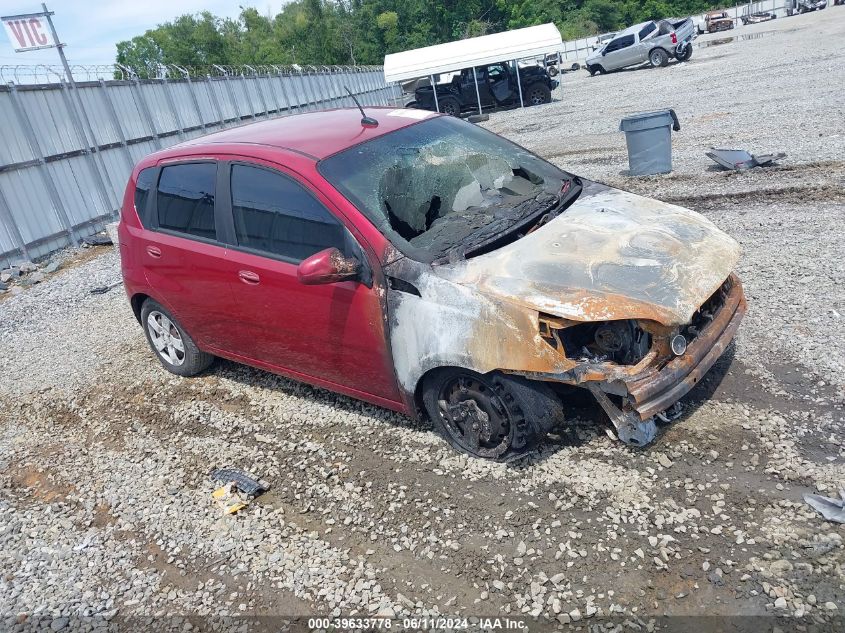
(638, 369)
(504, 264)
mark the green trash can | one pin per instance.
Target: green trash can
(648, 136)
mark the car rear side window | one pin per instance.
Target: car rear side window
(143, 184)
(185, 199)
(276, 215)
(648, 28)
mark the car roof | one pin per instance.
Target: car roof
(634, 28)
(314, 134)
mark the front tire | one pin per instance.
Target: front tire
(172, 345)
(492, 416)
(450, 106)
(658, 58)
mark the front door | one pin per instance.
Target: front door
(618, 53)
(333, 332)
(500, 84)
(468, 87)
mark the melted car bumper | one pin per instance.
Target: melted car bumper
(658, 391)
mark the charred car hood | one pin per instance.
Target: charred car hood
(610, 255)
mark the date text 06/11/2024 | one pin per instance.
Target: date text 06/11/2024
(420, 624)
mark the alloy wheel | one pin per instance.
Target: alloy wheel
(166, 338)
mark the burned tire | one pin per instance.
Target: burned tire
(492, 416)
(174, 348)
(538, 94)
(450, 106)
(658, 58)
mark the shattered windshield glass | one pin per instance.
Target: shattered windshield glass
(446, 188)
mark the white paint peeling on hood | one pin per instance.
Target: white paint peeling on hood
(611, 255)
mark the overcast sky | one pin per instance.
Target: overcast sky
(91, 28)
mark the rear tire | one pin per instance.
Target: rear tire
(171, 344)
(450, 106)
(687, 54)
(658, 58)
(493, 416)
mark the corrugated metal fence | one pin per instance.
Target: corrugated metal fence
(65, 155)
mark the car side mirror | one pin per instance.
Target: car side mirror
(327, 267)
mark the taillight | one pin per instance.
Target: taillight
(674, 38)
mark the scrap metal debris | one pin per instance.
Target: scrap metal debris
(740, 159)
(97, 240)
(238, 489)
(830, 508)
(101, 290)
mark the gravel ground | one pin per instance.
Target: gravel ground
(104, 457)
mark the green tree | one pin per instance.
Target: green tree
(323, 32)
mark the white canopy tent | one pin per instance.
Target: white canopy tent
(518, 44)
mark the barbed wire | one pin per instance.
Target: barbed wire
(46, 73)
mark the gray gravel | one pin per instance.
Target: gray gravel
(104, 457)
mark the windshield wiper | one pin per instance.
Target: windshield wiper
(570, 191)
(509, 220)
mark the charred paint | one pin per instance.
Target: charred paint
(612, 255)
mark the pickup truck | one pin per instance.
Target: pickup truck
(654, 42)
(803, 6)
(497, 87)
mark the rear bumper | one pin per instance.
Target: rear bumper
(655, 393)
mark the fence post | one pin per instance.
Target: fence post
(49, 185)
(145, 110)
(314, 97)
(288, 102)
(192, 90)
(86, 149)
(227, 81)
(248, 98)
(9, 222)
(104, 93)
(256, 79)
(214, 100)
(172, 103)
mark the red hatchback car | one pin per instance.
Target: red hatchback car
(426, 265)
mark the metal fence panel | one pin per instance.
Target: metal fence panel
(65, 156)
(30, 205)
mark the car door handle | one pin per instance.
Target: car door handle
(249, 277)
(154, 251)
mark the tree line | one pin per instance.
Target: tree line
(343, 32)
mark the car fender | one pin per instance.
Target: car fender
(446, 324)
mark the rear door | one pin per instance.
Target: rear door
(182, 257)
(332, 332)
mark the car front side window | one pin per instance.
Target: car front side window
(275, 215)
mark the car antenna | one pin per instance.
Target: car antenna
(365, 120)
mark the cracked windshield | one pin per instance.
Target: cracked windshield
(447, 188)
